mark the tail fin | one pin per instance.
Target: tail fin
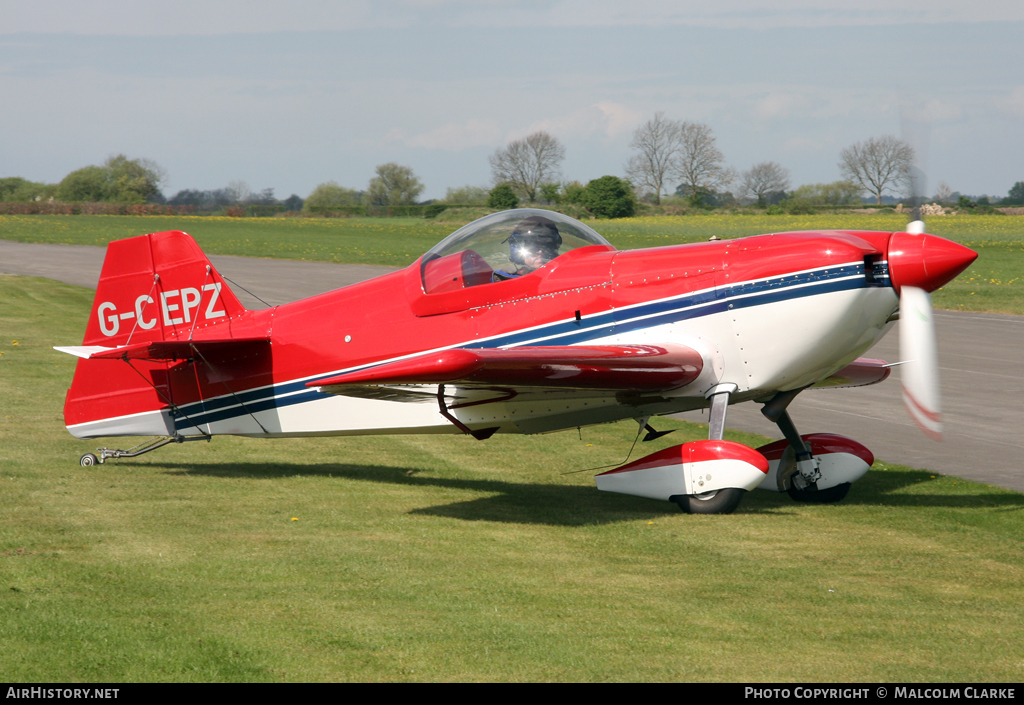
(162, 290)
(158, 287)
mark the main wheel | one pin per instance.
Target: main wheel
(717, 502)
(829, 496)
(87, 460)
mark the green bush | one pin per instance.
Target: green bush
(983, 210)
(837, 193)
(609, 197)
(573, 192)
(15, 189)
(330, 197)
(466, 195)
(86, 185)
(797, 206)
(551, 192)
(502, 197)
(119, 180)
(792, 206)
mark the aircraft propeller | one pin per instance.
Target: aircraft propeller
(920, 263)
(919, 373)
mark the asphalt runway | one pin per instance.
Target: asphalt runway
(274, 281)
(979, 354)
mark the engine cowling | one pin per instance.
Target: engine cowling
(925, 261)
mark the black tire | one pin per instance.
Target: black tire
(88, 460)
(829, 496)
(720, 502)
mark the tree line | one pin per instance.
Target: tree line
(665, 152)
(676, 151)
(685, 154)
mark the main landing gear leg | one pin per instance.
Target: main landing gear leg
(801, 481)
(719, 398)
(90, 459)
(726, 500)
(807, 472)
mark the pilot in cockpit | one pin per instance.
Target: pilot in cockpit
(533, 243)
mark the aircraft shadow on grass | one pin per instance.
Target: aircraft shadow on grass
(571, 505)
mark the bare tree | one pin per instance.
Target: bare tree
(764, 179)
(698, 163)
(239, 192)
(878, 164)
(527, 163)
(656, 142)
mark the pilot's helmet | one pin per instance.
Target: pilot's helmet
(533, 235)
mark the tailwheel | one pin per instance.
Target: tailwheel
(815, 496)
(105, 454)
(717, 502)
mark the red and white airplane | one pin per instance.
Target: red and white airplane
(525, 321)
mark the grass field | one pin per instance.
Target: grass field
(446, 559)
(993, 283)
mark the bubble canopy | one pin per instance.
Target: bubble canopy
(503, 246)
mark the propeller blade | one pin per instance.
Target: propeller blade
(920, 374)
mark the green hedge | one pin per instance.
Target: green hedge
(45, 208)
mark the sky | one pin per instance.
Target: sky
(288, 95)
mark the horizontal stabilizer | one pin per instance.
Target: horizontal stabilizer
(82, 351)
(158, 350)
(859, 373)
(621, 368)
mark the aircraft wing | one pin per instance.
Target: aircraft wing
(859, 373)
(157, 350)
(635, 368)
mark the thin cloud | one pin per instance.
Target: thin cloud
(780, 105)
(603, 119)
(1013, 103)
(160, 18)
(455, 137)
